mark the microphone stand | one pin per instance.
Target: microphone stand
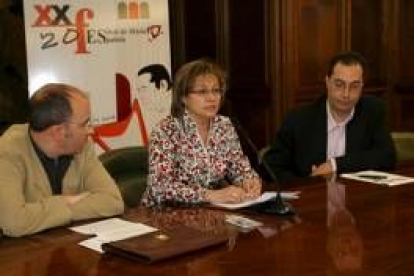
(277, 206)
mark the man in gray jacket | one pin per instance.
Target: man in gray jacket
(49, 174)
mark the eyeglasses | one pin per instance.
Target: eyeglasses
(205, 92)
(86, 124)
(341, 85)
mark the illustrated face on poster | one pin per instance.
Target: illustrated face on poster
(149, 95)
(153, 91)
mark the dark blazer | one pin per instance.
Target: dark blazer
(302, 140)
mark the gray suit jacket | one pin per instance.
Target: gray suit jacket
(26, 201)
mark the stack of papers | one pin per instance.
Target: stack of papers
(113, 229)
(377, 177)
(263, 198)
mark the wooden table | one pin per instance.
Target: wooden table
(340, 229)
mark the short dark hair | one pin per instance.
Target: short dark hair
(185, 78)
(347, 58)
(158, 73)
(50, 105)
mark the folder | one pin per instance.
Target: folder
(164, 244)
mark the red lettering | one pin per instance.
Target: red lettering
(81, 25)
(43, 16)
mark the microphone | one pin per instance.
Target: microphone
(277, 206)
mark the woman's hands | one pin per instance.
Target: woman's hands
(249, 190)
(253, 188)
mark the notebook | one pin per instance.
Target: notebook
(164, 244)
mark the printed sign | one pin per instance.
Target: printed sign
(116, 51)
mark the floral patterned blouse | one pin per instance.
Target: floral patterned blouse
(181, 167)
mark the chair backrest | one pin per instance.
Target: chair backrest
(404, 145)
(129, 168)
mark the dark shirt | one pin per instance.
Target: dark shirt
(55, 168)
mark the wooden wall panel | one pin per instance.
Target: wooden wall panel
(249, 93)
(247, 50)
(403, 82)
(318, 33)
(13, 71)
(200, 29)
(368, 30)
(406, 43)
(320, 36)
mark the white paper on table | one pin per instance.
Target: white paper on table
(113, 229)
(94, 243)
(377, 177)
(266, 196)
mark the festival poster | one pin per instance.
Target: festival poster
(116, 51)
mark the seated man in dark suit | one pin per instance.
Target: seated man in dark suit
(343, 131)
